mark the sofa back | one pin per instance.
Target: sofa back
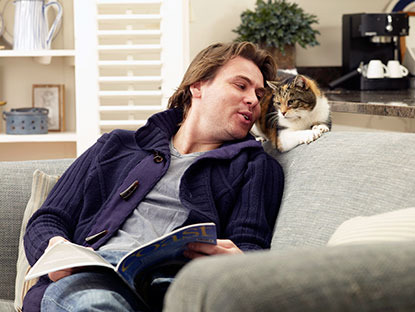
(15, 188)
(340, 176)
(337, 177)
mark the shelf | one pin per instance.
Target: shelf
(36, 138)
(19, 53)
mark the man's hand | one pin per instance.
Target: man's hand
(57, 275)
(223, 246)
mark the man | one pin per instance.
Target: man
(195, 162)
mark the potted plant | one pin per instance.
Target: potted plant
(277, 26)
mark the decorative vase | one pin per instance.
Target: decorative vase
(284, 60)
(31, 28)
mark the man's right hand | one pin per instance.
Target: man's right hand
(57, 275)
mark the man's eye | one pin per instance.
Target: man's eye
(241, 86)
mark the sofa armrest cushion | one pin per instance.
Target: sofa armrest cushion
(42, 184)
(372, 277)
(394, 226)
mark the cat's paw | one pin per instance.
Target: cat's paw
(308, 136)
(321, 128)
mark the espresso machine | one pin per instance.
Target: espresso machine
(368, 37)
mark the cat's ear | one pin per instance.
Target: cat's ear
(273, 84)
(300, 82)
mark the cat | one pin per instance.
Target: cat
(293, 111)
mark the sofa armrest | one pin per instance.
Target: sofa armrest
(376, 277)
(15, 187)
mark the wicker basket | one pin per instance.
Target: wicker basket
(26, 120)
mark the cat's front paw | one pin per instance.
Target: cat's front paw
(322, 128)
(309, 136)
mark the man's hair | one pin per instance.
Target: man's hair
(207, 63)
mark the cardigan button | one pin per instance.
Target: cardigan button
(129, 191)
(157, 157)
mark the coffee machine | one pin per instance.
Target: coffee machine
(367, 37)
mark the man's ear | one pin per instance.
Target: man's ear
(195, 89)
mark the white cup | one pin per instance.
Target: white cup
(376, 69)
(396, 70)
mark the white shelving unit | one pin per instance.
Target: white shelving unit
(57, 53)
(38, 138)
(119, 62)
(19, 70)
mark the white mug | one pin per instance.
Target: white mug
(376, 69)
(396, 70)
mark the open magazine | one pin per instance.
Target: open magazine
(136, 266)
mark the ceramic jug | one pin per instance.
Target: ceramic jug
(31, 26)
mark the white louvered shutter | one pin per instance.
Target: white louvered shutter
(140, 48)
(129, 61)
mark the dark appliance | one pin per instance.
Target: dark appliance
(367, 37)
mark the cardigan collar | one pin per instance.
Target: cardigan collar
(160, 127)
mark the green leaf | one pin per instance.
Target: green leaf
(277, 23)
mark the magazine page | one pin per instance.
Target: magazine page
(64, 255)
(169, 247)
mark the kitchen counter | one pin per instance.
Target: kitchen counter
(396, 103)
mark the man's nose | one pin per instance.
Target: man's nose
(252, 99)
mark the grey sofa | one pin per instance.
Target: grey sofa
(340, 176)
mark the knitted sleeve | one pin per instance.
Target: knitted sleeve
(257, 204)
(58, 214)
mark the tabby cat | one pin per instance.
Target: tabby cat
(293, 111)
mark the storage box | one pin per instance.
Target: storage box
(26, 120)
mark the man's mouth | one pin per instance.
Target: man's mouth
(247, 116)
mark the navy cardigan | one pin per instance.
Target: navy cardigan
(237, 186)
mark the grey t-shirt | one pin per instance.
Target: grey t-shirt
(160, 211)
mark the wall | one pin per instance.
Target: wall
(212, 21)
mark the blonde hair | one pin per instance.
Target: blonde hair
(206, 64)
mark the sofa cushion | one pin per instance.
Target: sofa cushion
(41, 186)
(16, 181)
(391, 226)
(340, 176)
(372, 277)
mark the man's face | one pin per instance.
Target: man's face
(228, 105)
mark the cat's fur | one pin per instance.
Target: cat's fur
(293, 111)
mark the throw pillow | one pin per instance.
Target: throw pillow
(398, 225)
(41, 186)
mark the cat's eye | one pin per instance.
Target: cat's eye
(290, 102)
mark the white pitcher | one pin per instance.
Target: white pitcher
(31, 27)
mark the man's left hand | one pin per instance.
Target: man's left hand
(223, 246)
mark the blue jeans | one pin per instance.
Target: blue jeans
(98, 290)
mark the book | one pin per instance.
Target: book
(163, 253)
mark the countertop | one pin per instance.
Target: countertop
(397, 103)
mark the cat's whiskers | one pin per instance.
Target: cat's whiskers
(273, 118)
